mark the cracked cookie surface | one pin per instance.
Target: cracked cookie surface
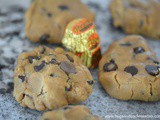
(129, 70)
(48, 79)
(137, 16)
(46, 19)
(70, 113)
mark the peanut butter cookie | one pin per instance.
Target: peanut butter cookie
(48, 79)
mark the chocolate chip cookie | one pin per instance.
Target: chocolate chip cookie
(129, 70)
(47, 79)
(137, 16)
(46, 19)
(70, 113)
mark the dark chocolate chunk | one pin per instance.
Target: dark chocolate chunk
(49, 14)
(39, 67)
(110, 66)
(31, 58)
(68, 67)
(53, 61)
(131, 69)
(138, 50)
(70, 58)
(43, 50)
(52, 75)
(44, 38)
(26, 95)
(154, 61)
(68, 88)
(22, 78)
(152, 70)
(126, 44)
(66, 108)
(91, 82)
(38, 58)
(63, 7)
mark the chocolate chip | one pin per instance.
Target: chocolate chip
(90, 82)
(38, 58)
(126, 44)
(43, 50)
(66, 108)
(131, 69)
(70, 58)
(22, 78)
(44, 38)
(39, 67)
(26, 95)
(52, 75)
(111, 66)
(53, 61)
(68, 67)
(49, 14)
(31, 58)
(138, 50)
(63, 7)
(68, 88)
(154, 61)
(152, 70)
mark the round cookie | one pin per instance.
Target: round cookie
(137, 16)
(48, 79)
(46, 19)
(70, 113)
(129, 70)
